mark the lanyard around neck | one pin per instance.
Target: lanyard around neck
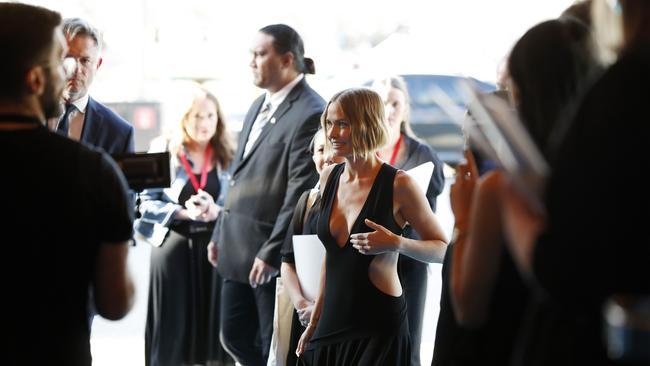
(395, 150)
(207, 158)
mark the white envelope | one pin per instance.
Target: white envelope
(309, 253)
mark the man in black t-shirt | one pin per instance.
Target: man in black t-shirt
(67, 216)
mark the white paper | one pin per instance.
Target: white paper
(422, 175)
(309, 253)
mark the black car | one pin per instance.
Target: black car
(429, 121)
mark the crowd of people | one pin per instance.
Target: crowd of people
(523, 284)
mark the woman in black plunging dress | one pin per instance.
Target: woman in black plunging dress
(365, 205)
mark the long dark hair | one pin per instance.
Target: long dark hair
(550, 66)
(286, 39)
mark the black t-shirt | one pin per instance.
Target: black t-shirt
(60, 201)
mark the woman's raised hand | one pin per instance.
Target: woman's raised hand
(375, 242)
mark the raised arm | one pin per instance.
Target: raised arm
(410, 206)
(477, 251)
(414, 208)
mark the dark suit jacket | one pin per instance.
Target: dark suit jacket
(265, 185)
(104, 128)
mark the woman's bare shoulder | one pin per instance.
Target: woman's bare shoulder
(404, 184)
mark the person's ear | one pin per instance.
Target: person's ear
(99, 63)
(35, 80)
(287, 60)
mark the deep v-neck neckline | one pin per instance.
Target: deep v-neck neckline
(363, 207)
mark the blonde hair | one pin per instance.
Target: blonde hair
(364, 110)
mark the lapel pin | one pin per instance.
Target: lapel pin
(272, 121)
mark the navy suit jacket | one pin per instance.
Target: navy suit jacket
(105, 129)
(266, 184)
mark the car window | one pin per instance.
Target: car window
(421, 88)
(429, 121)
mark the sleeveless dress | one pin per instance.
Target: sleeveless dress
(360, 324)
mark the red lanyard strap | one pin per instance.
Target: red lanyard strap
(395, 150)
(207, 157)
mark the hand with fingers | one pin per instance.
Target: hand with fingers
(261, 273)
(304, 339)
(462, 191)
(379, 241)
(304, 312)
(192, 209)
(201, 207)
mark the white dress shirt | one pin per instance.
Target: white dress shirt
(76, 119)
(274, 99)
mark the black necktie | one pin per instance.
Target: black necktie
(64, 121)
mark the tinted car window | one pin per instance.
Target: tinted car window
(428, 120)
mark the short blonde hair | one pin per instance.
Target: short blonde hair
(364, 110)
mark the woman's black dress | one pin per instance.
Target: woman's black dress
(359, 325)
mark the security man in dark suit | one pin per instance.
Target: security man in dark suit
(272, 167)
(85, 119)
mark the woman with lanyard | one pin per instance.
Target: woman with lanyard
(178, 222)
(404, 151)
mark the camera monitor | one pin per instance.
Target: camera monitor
(145, 170)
